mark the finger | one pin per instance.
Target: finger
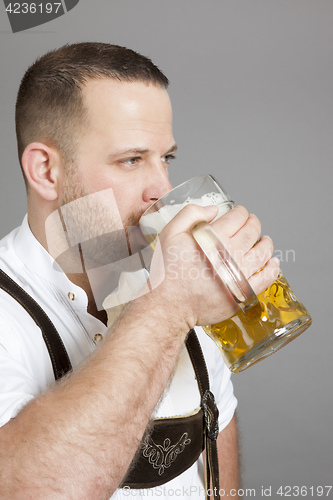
(257, 256)
(188, 217)
(231, 222)
(266, 277)
(247, 236)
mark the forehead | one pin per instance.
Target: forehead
(124, 105)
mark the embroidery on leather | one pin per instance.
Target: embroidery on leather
(162, 456)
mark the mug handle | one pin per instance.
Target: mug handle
(226, 268)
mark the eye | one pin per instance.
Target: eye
(168, 158)
(131, 161)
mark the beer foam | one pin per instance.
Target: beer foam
(159, 219)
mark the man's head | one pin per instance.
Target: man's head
(94, 117)
(50, 106)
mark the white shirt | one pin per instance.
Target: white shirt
(25, 366)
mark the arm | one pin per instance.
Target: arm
(77, 440)
(227, 446)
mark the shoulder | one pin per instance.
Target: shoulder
(14, 320)
(21, 344)
(9, 260)
(7, 243)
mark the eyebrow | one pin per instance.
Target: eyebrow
(137, 151)
(173, 149)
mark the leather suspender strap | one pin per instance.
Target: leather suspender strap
(211, 414)
(58, 354)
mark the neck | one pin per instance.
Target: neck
(70, 262)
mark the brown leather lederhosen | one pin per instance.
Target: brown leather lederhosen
(172, 445)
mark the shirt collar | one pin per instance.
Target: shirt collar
(39, 261)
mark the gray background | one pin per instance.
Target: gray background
(251, 85)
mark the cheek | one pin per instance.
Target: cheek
(127, 189)
(97, 182)
(129, 200)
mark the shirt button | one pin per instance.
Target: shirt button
(98, 337)
(71, 295)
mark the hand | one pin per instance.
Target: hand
(240, 231)
(189, 278)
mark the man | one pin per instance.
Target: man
(94, 123)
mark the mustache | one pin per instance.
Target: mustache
(134, 219)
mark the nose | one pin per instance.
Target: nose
(157, 185)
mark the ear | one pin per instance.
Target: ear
(43, 168)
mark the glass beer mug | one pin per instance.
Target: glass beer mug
(263, 323)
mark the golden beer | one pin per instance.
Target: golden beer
(244, 340)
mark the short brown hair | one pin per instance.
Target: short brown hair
(49, 106)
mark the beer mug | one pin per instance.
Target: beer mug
(264, 323)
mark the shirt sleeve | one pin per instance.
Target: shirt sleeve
(219, 379)
(17, 385)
